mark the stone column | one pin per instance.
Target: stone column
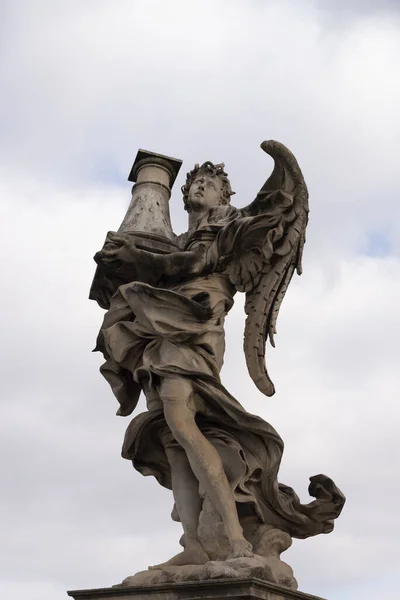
(147, 217)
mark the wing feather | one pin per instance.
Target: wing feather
(284, 254)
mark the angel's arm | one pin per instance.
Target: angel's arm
(124, 258)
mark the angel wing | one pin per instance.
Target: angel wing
(262, 251)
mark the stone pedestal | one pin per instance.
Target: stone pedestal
(216, 589)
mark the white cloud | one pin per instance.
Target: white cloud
(85, 85)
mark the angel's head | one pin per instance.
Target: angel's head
(206, 186)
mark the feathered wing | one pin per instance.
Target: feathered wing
(263, 250)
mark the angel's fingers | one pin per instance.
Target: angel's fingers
(126, 241)
(121, 237)
(98, 257)
(105, 261)
(253, 270)
(251, 275)
(110, 253)
(117, 238)
(114, 237)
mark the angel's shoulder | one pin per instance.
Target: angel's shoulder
(223, 214)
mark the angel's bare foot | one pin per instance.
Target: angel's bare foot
(240, 548)
(193, 554)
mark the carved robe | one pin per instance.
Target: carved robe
(150, 333)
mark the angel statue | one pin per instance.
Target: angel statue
(163, 334)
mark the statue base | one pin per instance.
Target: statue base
(215, 589)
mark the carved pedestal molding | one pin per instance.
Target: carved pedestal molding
(222, 589)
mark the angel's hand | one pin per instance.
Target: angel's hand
(120, 255)
(127, 249)
(180, 265)
(199, 260)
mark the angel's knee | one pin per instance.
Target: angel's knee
(176, 389)
(181, 422)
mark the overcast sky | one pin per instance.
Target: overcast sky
(85, 83)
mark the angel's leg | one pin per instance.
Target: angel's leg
(204, 459)
(185, 488)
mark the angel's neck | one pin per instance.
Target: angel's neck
(197, 219)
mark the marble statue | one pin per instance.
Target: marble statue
(163, 334)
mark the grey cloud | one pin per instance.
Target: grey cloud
(73, 486)
(358, 7)
(85, 87)
(94, 95)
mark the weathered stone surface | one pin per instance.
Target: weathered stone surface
(172, 165)
(148, 211)
(268, 569)
(217, 589)
(147, 219)
(163, 335)
(265, 539)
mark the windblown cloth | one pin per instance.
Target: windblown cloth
(151, 333)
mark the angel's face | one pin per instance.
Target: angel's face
(205, 192)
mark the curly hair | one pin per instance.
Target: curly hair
(208, 168)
